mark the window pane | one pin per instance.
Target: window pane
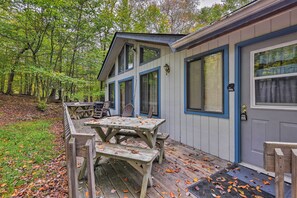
(153, 92)
(121, 61)
(148, 54)
(130, 56)
(111, 96)
(213, 82)
(149, 93)
(194, 85)
(281, 60)
(144, 101)
(276, 91)
(112, 72)
(126, 94)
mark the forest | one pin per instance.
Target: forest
(53, 49)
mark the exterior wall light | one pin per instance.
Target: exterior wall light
(167, 68)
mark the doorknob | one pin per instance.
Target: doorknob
(243, 114)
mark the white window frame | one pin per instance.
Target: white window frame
(253, 104)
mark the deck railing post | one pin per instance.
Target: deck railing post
(90, 168)
(294, 173)
(279, 173)
(73, 174)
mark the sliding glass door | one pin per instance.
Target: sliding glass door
(126, 93)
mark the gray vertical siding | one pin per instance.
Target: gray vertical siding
(210, 134)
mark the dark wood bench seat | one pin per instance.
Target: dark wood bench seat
(141, 159)
(161, 137)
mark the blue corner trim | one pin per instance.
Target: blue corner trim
(225, 113)
(119, 87)
(159, 89)
(113, 82)
(238, 46)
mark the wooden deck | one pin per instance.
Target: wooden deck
(183, 166)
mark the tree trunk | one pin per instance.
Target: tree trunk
(12, 72)
(10, 81)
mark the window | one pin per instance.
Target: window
(129, 57)
(149, 92)
(112, 72)
(121, 61)
(148, 54)
(126, 93)
(126, 58)
(111, 96)
(205, 77)
(274, 76)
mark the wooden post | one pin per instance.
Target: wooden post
(279, 173)
(72, 168)
(90, 168)
(294, 173)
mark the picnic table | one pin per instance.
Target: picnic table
(80, 109)
(139, 158)
(146, 128)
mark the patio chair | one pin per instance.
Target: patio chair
(150, 113)
(128, 110)
(104, 111)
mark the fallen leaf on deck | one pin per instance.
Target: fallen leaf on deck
(258, 188)
(270, 178)
(172, 195)
(222, 179)
(219, 187)
(195, 179)
(134, 151)
(265, 182)
(241, 192)
(169, 170)
(188, 182)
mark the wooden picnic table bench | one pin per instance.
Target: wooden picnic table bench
(139, 158)
(161, 137)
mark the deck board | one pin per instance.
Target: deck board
(192, 164)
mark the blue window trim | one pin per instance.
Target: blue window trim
(225, 113)
(112, 82)
(159, 89)
(238, 47)
(119, 87)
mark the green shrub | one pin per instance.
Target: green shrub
(42, 106)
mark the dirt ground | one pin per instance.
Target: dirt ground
(23, 108)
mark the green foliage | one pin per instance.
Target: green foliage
(42, 106)
(50, 46)
(24, 146)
